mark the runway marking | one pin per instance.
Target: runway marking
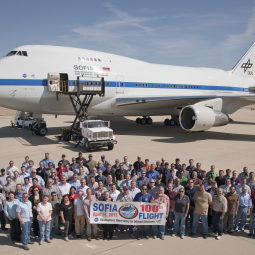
(93, 247)
(23, 141)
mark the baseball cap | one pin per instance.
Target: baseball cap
(138, 156)
(177, 159)
(103, 156)
(2, 170)
(80, 152)
(166, 163)
(60, 162)
(125, 188)
(63, 155)
(90, 155)
(117, 160)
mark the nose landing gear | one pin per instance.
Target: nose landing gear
(144, 121)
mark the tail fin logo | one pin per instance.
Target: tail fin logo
(246, 65)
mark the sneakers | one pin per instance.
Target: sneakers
(147, 237)
(96, 237)
(47, 240)
(138, 238)
(132, 236)
(162, 238)
(182, 236)
(70, 236)
(218, 237)
(41, 242)
(173, 235)
(66, 239)
(205, 236)
(51, 238)
(236, 229)
(154, 237)
(242, 229)
(120, 236)
(230, 232)
(89, 239)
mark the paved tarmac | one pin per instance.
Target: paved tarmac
(231, 146)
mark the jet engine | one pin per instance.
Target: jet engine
(200, 118)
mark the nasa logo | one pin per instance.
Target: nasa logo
(24, 75)
(96, 219)
(128, 211)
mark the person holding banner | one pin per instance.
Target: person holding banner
(107, 228)
(90, 227)
(181, 209)
(160, 198)
(125, 197)
(143, 196)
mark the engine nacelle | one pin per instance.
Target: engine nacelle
(200, 118)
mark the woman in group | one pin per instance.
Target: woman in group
(72, 194)
(79, 213)
(107, 228)
(134, 175)
(122, 178)
(10, 207)
(181, 208)
(35, 199)
(66, 213)
(44, 210)
(90, 227)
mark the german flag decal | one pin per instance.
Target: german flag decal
(107, 69)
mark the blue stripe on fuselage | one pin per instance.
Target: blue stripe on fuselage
(43, 82)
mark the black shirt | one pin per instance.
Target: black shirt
(81, 159)
(178, 166)
(190, 193)
(181, 204)
(112, 173)
(65, 162)
(119, 172)
(67, 211)
(40, 172)
(138, 165)
(220, 182)
(161, 185)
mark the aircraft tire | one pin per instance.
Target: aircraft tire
(149, 121)
(138, 121)
(143, 121)
(167, 122)
(172, 123)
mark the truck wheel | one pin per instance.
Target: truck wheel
(87, 145)
(41, 131)
(110, 147)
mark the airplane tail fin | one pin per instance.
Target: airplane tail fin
(245, 67)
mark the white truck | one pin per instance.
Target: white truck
(34, 122)
(92, 134)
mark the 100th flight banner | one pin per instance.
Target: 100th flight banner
(123, 213)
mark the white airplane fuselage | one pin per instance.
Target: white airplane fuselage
(23, 82)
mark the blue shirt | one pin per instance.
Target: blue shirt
(41, 182)
(102, 168)
(10, 208)
(19, 195)
(152, 175)
(245, 200)
(75, 184)
(143, 198)
(24, 175)
(25, 210)
(190, 193)
(46, 162)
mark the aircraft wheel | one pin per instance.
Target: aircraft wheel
(138, 121)
(143, 121)
(149, 120)
(172, 123)
(167, 122)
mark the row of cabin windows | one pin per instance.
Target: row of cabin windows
(89, 59)
(169, 86)
(17, 53)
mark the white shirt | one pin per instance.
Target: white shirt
(134, 192)
(64, 189)
(125, 183)
(176, 189)
(29, 170)
(84, 190)
(126, 165)
(114, 195)
(26, 188)
(25, 164)
(67, 174)
(85, 170)
(10, 170)
(79, 206)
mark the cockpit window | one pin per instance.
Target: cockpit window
(11, 53)
(18, 53)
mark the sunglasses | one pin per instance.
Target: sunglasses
(152, 182)
(144, 189)
(25, 196)
(181, 191)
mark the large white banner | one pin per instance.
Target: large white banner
(123, 213)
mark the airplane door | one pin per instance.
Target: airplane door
(120, 84)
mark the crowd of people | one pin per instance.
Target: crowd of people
(43, 197)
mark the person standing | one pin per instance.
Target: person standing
(152, 188)
(79, 213)
(171, 194)
(212, 173)
(10, 207)
(99, 192)
(44, 211)
(133, 190)
(8, 187)
(226, 187)
(64, 187)
(143, 180)
(114, 192)
(252, 221)
(190, 191)
(160, 198)
(243, 210)
(181, 209)
(24, 214)
(139, 163)
(202, 201)
(143, 196)
(51, 188)
(55, 203)
(233, 204)
(2, 218)
(2, 179)
(221, 180)
(191, 168)
(66, 213)
(11, 168)
(47, 160)
(87, 204)
(90, 164)
(234, 180)
(218, 210)
(244, 174)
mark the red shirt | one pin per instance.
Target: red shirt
(72, 198)
(171, 196)
(253, 196)
(60, 171)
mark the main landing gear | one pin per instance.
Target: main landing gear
(144, 120)
(174, 121)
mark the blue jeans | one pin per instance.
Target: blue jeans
(241, 215)
(252, 221)
(196, 218)
(44, 230)
(142, 229)
(130, 229)
(180, 221)
(170, 219)
(55, 221)
(217, 223)
(158, 230)
(25, 231)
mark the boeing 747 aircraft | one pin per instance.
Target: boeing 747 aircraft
(196, 98)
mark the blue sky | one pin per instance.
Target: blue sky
(188, 33)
